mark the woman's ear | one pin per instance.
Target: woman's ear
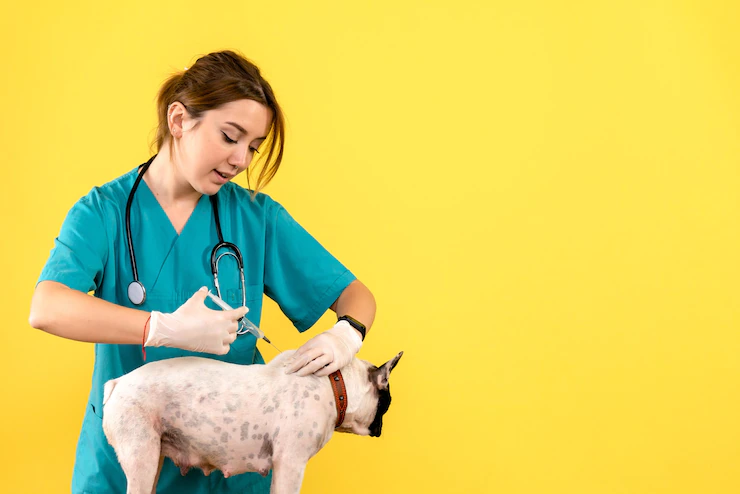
(176, 113)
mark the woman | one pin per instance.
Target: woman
(144, 244)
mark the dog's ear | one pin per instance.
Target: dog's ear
(380, 375)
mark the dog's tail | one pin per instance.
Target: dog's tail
(108, 389)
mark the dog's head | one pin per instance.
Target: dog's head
(369, 396)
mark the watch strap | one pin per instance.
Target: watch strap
(355, 324)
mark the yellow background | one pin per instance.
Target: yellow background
(543, 197)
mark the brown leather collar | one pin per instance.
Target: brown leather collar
(340, 395)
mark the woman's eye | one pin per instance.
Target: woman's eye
(254, 150)
(228, 139)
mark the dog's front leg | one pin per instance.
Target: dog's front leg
(287, 476)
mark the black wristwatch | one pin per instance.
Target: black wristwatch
(355, 324)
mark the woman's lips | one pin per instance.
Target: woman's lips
(220, 178)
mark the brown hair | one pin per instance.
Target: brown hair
(214, 80)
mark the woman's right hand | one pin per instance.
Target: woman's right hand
(195, 327)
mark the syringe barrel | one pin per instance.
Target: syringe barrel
(252, 328)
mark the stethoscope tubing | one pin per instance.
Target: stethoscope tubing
(136, 289)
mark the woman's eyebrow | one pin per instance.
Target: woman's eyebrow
(241, 129)
(238, 127)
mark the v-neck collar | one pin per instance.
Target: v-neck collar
(151, 203)
(166, 240)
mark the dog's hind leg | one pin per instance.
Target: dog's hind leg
(156, 477)
(138, 446)
(140, 461)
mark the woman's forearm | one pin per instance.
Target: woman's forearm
(62, 311)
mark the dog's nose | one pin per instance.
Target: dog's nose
(376, 429)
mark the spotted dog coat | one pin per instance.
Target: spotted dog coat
(214, 415)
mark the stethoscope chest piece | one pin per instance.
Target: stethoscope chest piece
(136, 293)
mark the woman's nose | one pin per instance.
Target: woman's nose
(240, 158)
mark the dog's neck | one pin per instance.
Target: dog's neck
(361, 399)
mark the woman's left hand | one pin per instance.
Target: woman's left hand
(326, 352)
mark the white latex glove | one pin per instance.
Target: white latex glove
(326, 352)
(195, 327)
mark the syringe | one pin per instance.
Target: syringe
(245, 325)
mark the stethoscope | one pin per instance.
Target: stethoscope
(136, 290)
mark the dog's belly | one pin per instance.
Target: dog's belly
(231, 446)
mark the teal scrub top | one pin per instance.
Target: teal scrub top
(281, 260)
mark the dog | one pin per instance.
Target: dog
(207, 414)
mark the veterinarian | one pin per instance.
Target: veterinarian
(151, 243)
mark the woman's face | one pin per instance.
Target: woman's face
(221, 143)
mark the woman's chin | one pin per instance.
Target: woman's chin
(207, 188)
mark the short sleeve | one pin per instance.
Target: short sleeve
(301, 276)
(80, 251)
